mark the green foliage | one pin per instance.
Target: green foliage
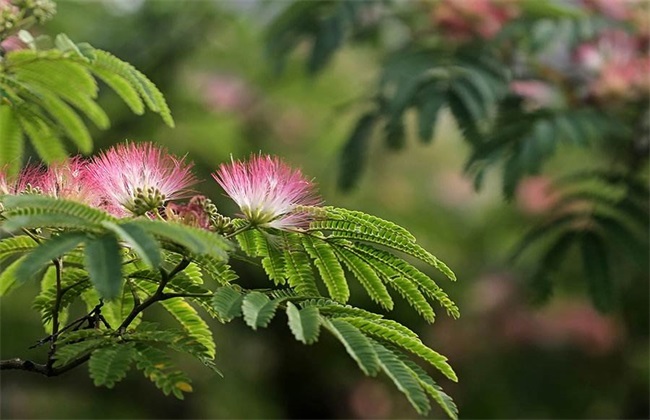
(109, 365)
(469, 82)
(324, 23)
(157, 367)
(258, 309)
(78, 344)
(103, 262)
(11, 140)
(46, 252)
(524, 140)
(403, 378)
(35, 211)
(304, 323)
(358, 346)
(122, 266)
(228, 303)
(519, 96)
(141, 242)
(601, 213)
(45, 92)
(196, 241)
(434, 390)
(195, 327)
(344, 238)
(329, 268)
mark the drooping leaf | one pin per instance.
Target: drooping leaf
(402, 377)
(356, 344)
(109, 365)
(258, 309)
(227, 302)
(596, 265)
(137, 238)
(158, 367)
(432, 388)
(104, 264)
(49, 250)
(406, 341)
(353, 155)
(304, 323)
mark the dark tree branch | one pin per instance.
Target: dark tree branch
(26, 365)
(157, 296)
(49, 370)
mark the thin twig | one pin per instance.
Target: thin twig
(49, 370)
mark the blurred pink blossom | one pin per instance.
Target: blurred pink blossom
(613, 9)
(535, 195)
(566, 323)
(464, 19)
(617, 64)
(536, 93)
(225, 93)
(498, 304)
(12, 43)
(30, 179)
(370, 400)
(453, 189)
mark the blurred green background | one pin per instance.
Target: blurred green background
(514, 359)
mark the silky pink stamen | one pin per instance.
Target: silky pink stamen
(267, 191)
(127, 171)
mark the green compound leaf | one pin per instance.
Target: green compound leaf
(433, 389)
(195, 327)
(356, 344)
(11, 141)
(366, 275)
(228, 303)
(158, 367)
(109, 365)
(403, 378)
(8, 278)
(329, 268)
(16, 245)
(406, 341)
(258, 309)
(304, 323)
(197, 241)
(298, 269)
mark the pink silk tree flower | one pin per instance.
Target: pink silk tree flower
(69, 180)
(192, 213)
(28, 181)
(268, 192)
(138, 178)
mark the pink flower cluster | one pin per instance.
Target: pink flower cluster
(123, 180)
(617, 64)
(141, 179)
(466, 19)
